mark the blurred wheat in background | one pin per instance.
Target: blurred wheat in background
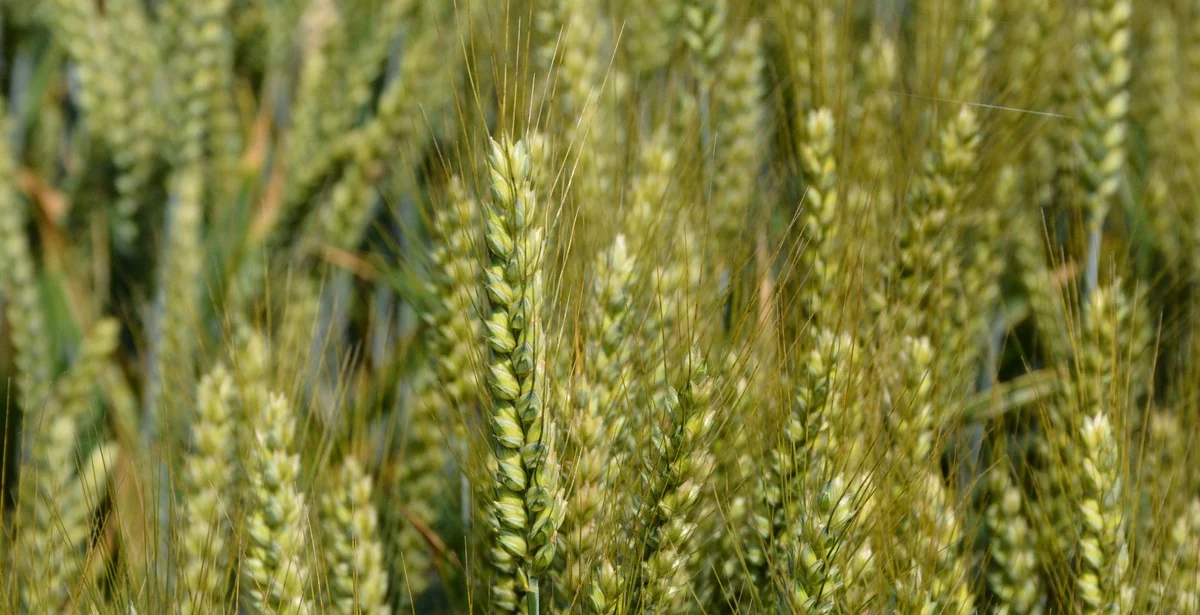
(599, 306)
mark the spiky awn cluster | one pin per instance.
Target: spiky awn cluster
(820, 208)
(353, 554)
(678, 464)
(797, 461)
(453, 318)
(417, 483)
(274, 567)
(117, 67)
(815, 582)
(528, 501)
(927, 260)
(56, 501)
(1182, 562)
(1103, 82)
(738, 100)
(599, 405)
(1012, 574)
(1104, 557)
(18, 281)
(208, 475)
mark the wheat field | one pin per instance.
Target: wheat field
(599, 306)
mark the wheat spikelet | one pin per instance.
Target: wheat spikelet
(352, 198)
(410, 497)
(55, 503)
(1182, 562)
(30, 337)
(527, 509)
(591, 458)
(274, 566)
(740, 146)
(673, 473)
(208, 494)
(179, 299)
(821, 211)
(353, 555)
(1012, 574)
(1104, 106)
(1104, 557)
